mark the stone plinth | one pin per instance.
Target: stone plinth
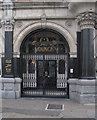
(83, 90)
(10, 87)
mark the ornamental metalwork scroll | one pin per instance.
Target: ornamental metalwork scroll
(44, 45)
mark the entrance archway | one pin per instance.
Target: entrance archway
(44, 56)
(18, 38)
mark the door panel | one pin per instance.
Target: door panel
(40, 74)
(51, 78)
(46, 74)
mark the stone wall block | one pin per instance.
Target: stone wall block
(18, 94)
(17, 87)
(72, 87)
(85, 92)
(1, 86)
(8, 94)
(88, 90)
(18, 84)
(9, 86)
(87, 98)
(78, 88)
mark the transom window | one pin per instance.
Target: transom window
(44, 41)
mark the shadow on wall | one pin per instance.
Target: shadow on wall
(96, 65)
(0, 68)
(96, 40)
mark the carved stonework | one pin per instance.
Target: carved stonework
(68, 23)
(87, 20)
(19, 24)
(8, 24)
(43, 20)
(7, 9)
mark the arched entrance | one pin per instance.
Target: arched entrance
(44, 63)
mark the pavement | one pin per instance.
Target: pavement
(36, 108)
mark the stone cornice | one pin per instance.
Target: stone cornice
(37, 4)
(87, 20)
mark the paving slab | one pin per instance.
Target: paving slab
(36, 108)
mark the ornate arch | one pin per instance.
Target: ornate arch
(50, 25)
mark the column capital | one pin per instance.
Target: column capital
(87, 20)
(8, 24)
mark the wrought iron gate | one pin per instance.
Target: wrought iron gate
(44, 54)
(44, 75)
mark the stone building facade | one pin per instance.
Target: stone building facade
(48, 48)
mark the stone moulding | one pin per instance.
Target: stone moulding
(31, 27)
(10, 80)
(37, 4)
(83, 81)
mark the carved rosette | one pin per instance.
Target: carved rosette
(8, 24)
(87, 20)
(68, 23)
(19, 24)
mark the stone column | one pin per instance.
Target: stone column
(83, 89)
(8, 53)
(8, 25)
(10, 87)
(86, 21)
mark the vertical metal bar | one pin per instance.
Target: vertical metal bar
(35, 73)
(43, 75)
(57, 73)
(27, 67)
